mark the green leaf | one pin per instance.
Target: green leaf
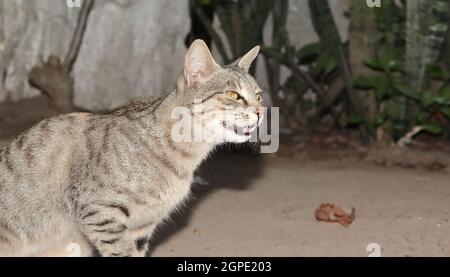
(423, 117)
(386, 64)
(382, 87)
(380, 119)
(429, 98)
(354, 120)
(393, 109)
(445, 94)
(392, 56)
(380, 83)
(441, 97)
(309, 50)
(325, 63)
(407, 90)
(435, 71)
(446, 111)
(204, 2)
(364, 82)
(375, 64)
(432, 129)
(325, 26)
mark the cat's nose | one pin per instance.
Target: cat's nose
(259, 111)
(260, 114)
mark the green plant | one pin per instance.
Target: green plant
(390, 86)
(392, 73)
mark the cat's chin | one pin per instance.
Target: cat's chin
(237, 134)
(238, 139)
(222, 132)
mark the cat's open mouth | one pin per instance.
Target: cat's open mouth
(238, 130)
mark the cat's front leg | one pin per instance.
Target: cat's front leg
(105, 227)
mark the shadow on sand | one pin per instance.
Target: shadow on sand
(224, 170)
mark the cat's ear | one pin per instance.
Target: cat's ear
(199, 63)
(246, 61)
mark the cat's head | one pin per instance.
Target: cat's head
(231, 99)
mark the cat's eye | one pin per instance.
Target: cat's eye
(259, 97)
(233, 95)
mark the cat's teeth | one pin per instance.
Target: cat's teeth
(240, 131)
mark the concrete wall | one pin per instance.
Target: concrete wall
(131, 47)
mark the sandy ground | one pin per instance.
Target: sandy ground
(264, 205)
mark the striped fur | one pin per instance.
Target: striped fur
(106, 182)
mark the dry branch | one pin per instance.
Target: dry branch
(212, 33)
(53, 76)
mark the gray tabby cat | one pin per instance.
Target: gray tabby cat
(105, 182)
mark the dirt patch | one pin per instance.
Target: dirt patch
(265, 207)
